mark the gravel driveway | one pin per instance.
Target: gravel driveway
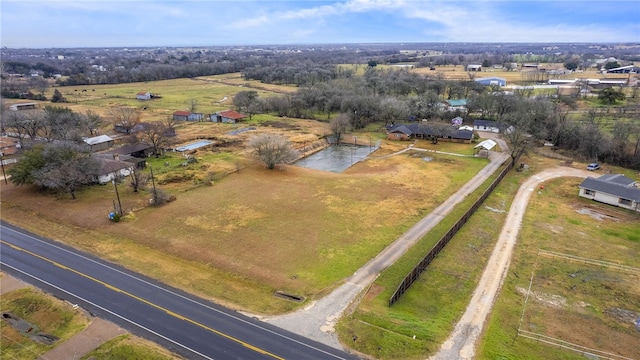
(461, 343)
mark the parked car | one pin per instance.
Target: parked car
(593, 166)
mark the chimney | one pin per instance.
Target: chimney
(116, 157)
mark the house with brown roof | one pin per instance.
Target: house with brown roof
(112, 167)
(227, 116)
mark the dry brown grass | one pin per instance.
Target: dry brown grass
(253, 232)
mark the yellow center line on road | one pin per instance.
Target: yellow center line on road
(169, 312)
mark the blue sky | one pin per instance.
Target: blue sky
(107, 23)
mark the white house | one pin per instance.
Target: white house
(486, 125)
(612, 189)
(113, 168)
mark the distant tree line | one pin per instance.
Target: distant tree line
(388, 96)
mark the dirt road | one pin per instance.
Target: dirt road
(461, 343)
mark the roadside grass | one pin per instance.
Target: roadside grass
(435, 302)
(129, 347)
(570, 301)
(302, 222)
(415, 326)
(49, 315)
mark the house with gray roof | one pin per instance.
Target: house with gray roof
(612, 189)
(421, 131)
(491, 126)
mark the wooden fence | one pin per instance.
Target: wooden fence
(444, 240)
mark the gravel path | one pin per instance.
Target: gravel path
(461, 343)
(317, 320)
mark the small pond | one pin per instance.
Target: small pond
(337, 158)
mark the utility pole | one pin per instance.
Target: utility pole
(4, 175)
(155, 194)
(117, 195)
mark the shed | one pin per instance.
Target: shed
(474, 67)
(486, 144)
(98, 143)
(181, 115)
(195, 116)
(143, 95)
(138, 150)
(227, 116)
(612, 189)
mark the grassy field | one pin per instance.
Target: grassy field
(207, 239)
(416, 326)
(48, 314)
(212, 94)
(311, 228)
(574, 301)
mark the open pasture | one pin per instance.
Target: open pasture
(211, 94)
(311, 228)
(574, 281)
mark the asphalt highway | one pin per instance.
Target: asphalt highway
(183, 323)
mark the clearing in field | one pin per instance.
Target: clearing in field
(594, 304)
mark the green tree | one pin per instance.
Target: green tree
(57, 97)
(571, 65)
(31, 160)
(610, 96)
(60, 166)
(612, 65)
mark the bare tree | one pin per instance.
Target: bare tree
(124, 117)
(193, 104)
(272, 150)
(92, 121)
(137, 179)
(340, 125)
(155, 134)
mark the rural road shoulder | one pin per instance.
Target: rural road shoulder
(462, 341)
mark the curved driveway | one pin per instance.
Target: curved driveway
(461, 343)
